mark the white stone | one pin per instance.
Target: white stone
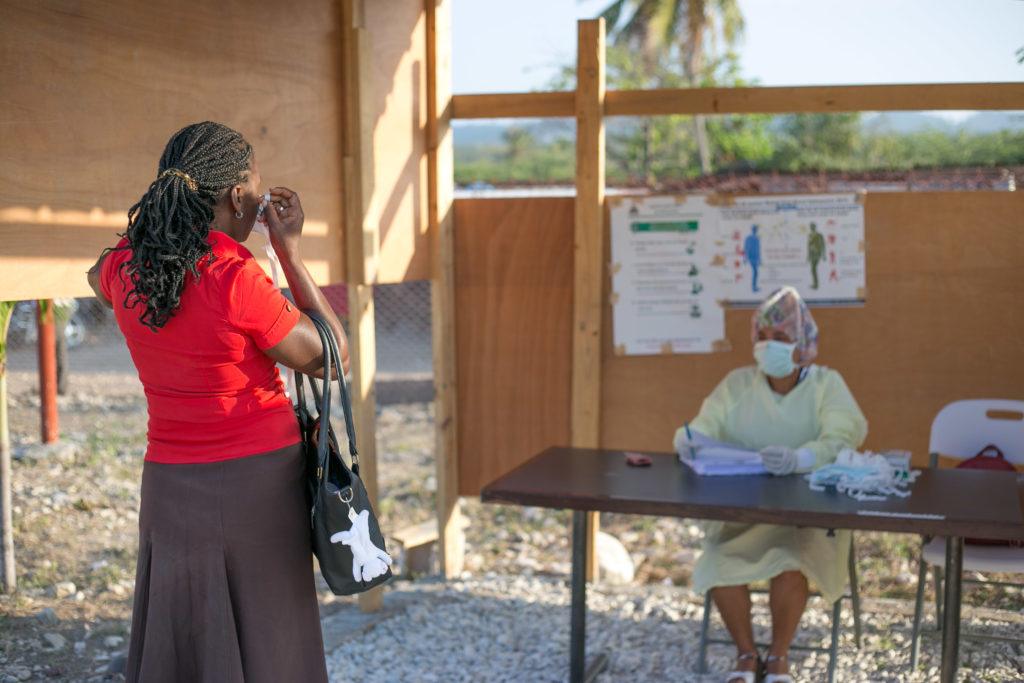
(59, 451)
(55, 641)
(614, 563)
(113, 642)
(65, 589)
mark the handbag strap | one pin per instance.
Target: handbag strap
(332, 358)
(991, 450)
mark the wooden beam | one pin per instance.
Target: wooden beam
(440, 194)
(589, 249)
(513, 105)
(361, 247)
(776, 100)
(816, 99)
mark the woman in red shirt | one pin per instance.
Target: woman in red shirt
(224, 584)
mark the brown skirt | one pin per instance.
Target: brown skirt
(224, 585)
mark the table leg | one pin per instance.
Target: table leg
(951, 613)
(578, 671)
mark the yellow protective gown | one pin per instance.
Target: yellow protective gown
(819, 414)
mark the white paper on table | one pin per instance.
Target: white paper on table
(711, 468)
(711, 457)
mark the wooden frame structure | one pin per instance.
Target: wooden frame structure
(590, 103)
(369, 255)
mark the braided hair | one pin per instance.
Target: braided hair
(169, 226)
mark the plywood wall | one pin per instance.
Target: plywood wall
(943, 321)
(91, 91)
(513, 342)
(396, 98)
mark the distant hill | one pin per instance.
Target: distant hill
(992, 121)
(914, 122)
(489, 134)
(906, 122)
(474, 134)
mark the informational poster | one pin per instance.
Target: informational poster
(677, 261)
(663, 296)
(812, 242)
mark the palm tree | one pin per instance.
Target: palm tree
(653, 27)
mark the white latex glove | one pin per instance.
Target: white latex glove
(368, 561)
(779, 460)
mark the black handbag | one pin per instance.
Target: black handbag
(347, 540)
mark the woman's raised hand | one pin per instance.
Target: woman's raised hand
(284, 219)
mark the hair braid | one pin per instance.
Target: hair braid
(169, 226)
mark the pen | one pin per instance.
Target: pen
(689, 438)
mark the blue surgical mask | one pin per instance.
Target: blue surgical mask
(775, 358)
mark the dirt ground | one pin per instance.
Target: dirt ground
(76, 515)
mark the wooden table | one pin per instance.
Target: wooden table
(950, 503)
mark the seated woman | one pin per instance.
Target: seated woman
(799, 416)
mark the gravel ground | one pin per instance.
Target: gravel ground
(512, 628)
(75, 511)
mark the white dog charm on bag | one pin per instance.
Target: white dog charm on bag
(368, 561)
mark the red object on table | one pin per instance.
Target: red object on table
(637, 459)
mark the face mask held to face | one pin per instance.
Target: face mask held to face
(775, 358)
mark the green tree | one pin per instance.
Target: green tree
(817, 141)
(518, 143)
(693, 30)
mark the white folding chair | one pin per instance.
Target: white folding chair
(960, 431)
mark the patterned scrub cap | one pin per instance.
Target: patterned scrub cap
(786, 310)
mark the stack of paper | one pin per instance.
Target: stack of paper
(715, 458)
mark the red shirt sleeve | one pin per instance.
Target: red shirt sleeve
(257, 307)
(110, 267)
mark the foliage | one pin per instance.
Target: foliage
(6, 311)
(652, 46)
(520, 160)
(815, 141)
(690, 33)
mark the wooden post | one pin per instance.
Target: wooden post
(6, 515)
(362, 246)
(47, 370)
(589, 250)
(440, 192)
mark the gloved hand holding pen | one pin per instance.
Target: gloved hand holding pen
(781, 460)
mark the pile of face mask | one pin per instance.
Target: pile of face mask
(865, 476)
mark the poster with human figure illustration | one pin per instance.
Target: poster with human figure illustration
(812, 242)
(676, 261)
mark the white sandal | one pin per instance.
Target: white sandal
(776, 678)
(745, 676)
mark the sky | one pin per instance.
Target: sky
(501, 46)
